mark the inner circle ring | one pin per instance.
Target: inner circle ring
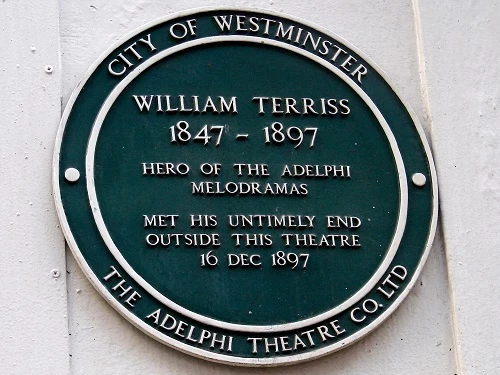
(89, 165)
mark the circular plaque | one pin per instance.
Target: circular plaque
(244, 186)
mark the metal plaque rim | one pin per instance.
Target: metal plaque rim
(150, 331)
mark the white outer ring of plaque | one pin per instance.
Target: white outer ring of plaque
(198, 352)
(89, 165)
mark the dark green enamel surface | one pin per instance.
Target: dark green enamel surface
(273, 295)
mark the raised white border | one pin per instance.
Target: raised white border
(101, 225)
(201, 353)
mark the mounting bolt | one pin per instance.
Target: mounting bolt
(72, 174)
(418, 179)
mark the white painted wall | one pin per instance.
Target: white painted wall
(461, 45)
(33, 303)
(443, 56)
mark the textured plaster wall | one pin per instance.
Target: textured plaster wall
(461, 42)
(443, 58)
(33, 300)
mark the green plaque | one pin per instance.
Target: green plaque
(244, 186)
